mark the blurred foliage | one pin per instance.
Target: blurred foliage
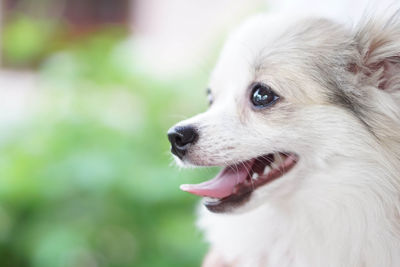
(26, 40)
(89, 181)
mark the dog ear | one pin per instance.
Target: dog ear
(378, 45)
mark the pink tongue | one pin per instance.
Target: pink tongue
(222, 185)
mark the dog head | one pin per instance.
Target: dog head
(288, 101)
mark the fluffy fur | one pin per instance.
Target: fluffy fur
(340, 113)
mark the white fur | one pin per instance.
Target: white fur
(339, 206)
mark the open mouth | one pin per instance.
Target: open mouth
(235, 183)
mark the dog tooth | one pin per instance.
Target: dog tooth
(267, 169)
(210, 199)
(254, 176)
(279, 160)
(275, 162)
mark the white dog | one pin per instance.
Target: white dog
(305, 119)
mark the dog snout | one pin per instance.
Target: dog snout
(181, 138)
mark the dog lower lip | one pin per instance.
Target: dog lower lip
(228, 203)
(235, 183)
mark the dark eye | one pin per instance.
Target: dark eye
(209, 97)
(262, 96)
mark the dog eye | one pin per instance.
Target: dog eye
(209, 97)
(262, 96)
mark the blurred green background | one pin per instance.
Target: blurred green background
(86, 177)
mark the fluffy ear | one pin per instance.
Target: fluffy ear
(378, 43)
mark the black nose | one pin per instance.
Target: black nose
(181, 138)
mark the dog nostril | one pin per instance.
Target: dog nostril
(181, 138)
(186, 135)
(178, 141)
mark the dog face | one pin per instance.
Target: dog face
(285, 103)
